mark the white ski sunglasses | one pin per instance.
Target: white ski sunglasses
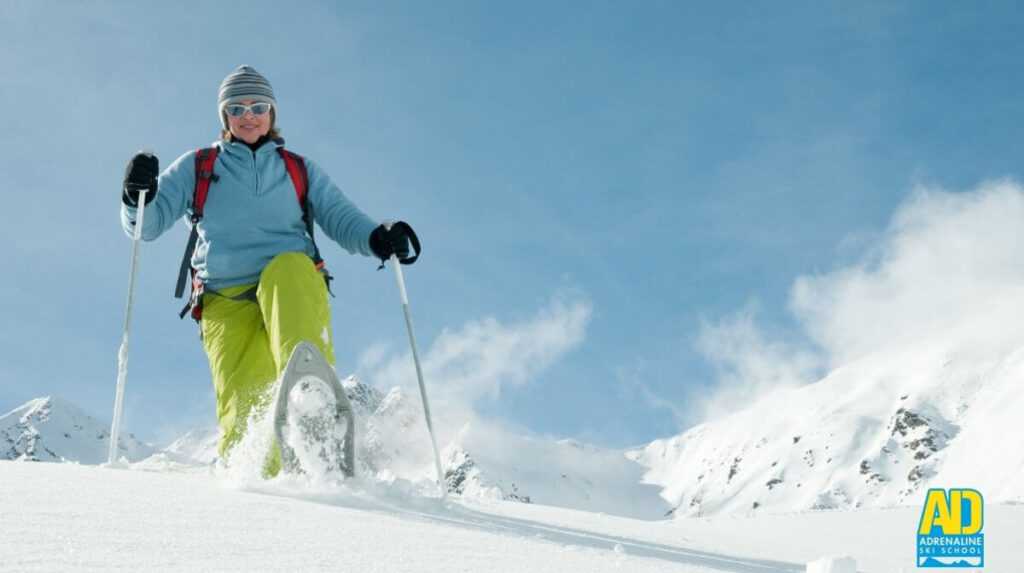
(238, 110)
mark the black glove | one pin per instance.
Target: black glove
(140, 174)
(385, 242)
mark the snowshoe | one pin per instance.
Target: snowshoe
(313, 419)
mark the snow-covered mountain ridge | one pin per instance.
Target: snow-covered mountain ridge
(874, 433)
(51, 430)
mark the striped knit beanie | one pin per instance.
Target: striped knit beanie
(243, 84)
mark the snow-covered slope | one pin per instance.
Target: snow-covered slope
(72, 518)
(50, 429)
(875, 433)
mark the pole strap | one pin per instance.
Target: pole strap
(413, 240)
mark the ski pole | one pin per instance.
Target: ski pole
(122, 355)
(416, 353)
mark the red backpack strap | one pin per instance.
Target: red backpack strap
(296, 167)
(205, 159)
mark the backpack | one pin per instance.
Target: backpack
(205, 176)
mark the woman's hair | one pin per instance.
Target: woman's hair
(274, 133)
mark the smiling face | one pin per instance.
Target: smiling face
(248, 127)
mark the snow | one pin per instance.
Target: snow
(161, 516)
(832, 565)
(309, 397)
(312, 433)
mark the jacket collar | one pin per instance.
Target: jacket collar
(238, 148)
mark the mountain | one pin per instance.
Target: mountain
(50, 429)
(875, 433)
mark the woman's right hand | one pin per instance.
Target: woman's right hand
(140, 174)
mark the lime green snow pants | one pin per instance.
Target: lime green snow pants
(249, 343)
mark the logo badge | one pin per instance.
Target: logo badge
(950, 534)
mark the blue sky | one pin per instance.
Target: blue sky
(600, 187)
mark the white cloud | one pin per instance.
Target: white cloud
(474, 362)
(950, 268)
(948, 271)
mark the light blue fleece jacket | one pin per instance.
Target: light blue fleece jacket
(252, 213)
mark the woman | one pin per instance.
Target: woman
(260, 291)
